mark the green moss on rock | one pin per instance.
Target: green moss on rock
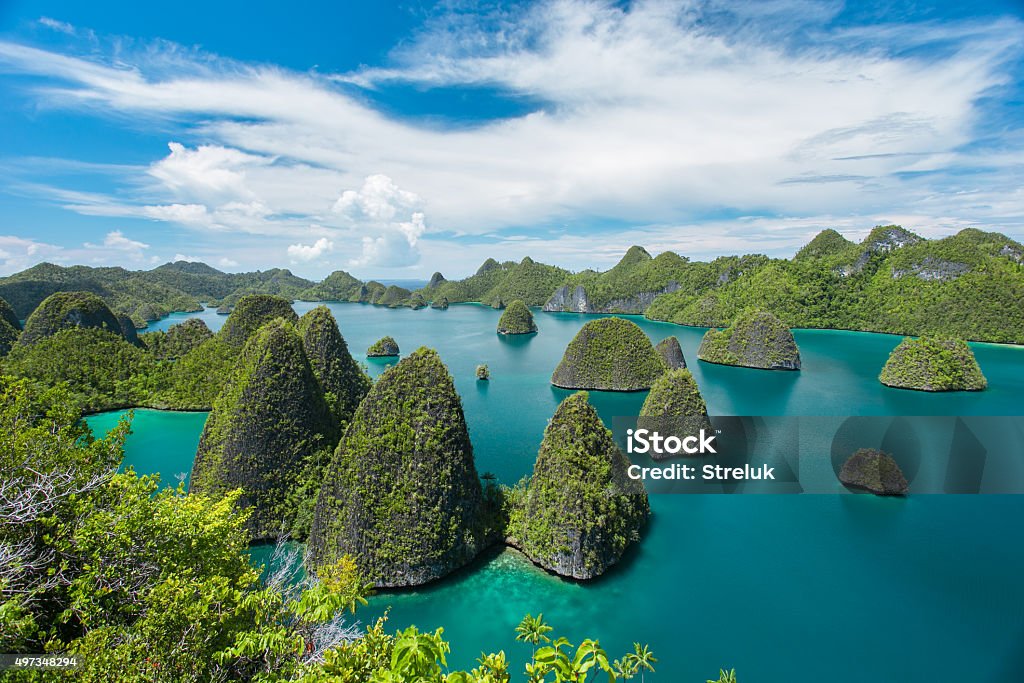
(610, 354)
(670, 352)
(383, 348)
(756, 339)
(267, 429)
(874, 471)
(675, 406)
(65, 310)
(581, 510)
(517, 319)
(402, 495)
(251, 313)
(440, 304)
(930, 364)
(342, 379)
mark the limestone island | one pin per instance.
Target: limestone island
(756, 339)
(609, 354)
(342, 379)
(517, 319)
(268, 424)
(929, 364)
(874, 471)
(440, 304)
(67, 310)
(385, 347)
(10, 327)
(675, 406)
(483, 373)
(580, 511)
(402, 495)
(251, 313)
(670, 351)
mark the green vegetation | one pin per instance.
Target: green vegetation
(251, 313)
(101, 369)
(874, 471)
(10, 327)
(580, 510)
(965, 286)
(383, 347)
(675, 406)
(671, 352)
(483, 372)
(343, 381)
(402, 495)
(496, 284)
(629, 287)
(610, 354)
(517, 319)
(440, 304)
(338, 286)
(179, 339)
(757, 339)
(65, 310)
(930, 364)
(269, 433)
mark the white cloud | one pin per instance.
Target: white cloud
(59, 26)
(118, 247)
(19, 253)
(225, 262)
(303, 252)
(659, 114)
(185, 257)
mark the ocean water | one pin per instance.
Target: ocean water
(843, 588)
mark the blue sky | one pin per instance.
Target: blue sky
(395, 139)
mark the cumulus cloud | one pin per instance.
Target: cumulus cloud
(392, 218)
(186, 257)
(18, 253)
(116, 241)
(310, 252)
(225, 262)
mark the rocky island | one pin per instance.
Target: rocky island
(930, 364)
(66, 310)
(580, 511)
(609, 354)
(875, 471)
(756, 339)
(670, 351)
(402, 494)
(385, 347)
(266, 428)
(517, 319)
(343, 381)
(675, 406)
(251, 313)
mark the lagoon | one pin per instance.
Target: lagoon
(796, 588)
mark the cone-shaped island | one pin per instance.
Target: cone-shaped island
(402, 495)
(343, 381)
(267, 425)
(670, 352)
(874, 471)
(581, 510)
(517, 319)
(251, 313)
(66, 310)
(385, 347)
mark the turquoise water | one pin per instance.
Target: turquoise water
(784, 588)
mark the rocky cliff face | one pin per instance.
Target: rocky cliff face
(269, 424)
(756, 339)
(610, 354)
(65, 310)
(928, 364)
(517, 319)
(252, 312)
(670, 352)
(402, 495)
(343, 381)
(931, 269)
(581, 510)
(874, 471)
(575, 300)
